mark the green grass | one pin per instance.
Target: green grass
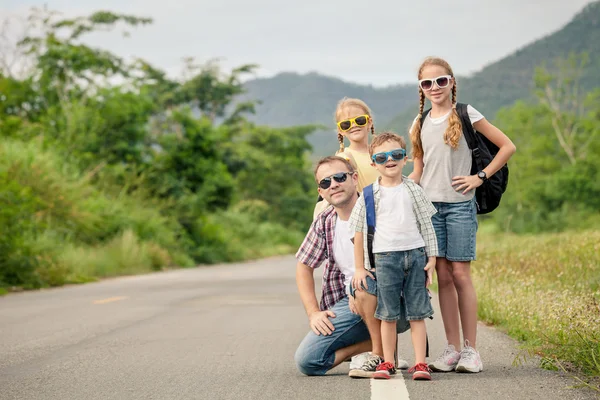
(545, 291)
(59, 228)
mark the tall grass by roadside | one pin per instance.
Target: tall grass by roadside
(57, 227)
(545, 291)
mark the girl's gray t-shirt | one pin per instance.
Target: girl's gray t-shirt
(442, 162)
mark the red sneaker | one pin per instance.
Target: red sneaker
(384, 370)
(420, 372)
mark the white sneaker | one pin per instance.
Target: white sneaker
(402, 364)
(470, 361)
(367, 370)
(358, 360)
(447, 361)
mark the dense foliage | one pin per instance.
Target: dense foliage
(108, 166)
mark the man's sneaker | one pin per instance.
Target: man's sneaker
(358, 360)
(368, 368)
(402, 364)
(420, 372)
(384, 370)
(470, 361)
(447, 361)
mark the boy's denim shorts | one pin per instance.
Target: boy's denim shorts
(401, 276)
(455, 226)
(403, 325)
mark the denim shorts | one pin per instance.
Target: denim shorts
(402, 324)
(400, 276)
(316, 353)
(455, 226)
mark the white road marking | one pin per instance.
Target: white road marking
(385, 389)
(110, 300)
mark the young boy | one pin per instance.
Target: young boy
(405, 250)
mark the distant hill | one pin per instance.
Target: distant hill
(291, 99)
(502, 83)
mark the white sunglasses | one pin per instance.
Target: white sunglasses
(441, 82)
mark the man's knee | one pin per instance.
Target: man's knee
(307, 364)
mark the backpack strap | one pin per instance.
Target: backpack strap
(470, 134)
(370, 210)
(425, 113)
(471, 138)
(467, 126)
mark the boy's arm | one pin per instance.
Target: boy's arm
(358, 224)
(359, 251)
(359, 280)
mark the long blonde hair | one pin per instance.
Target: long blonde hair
(454, 129)
(349, 102)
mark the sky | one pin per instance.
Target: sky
(376, 42)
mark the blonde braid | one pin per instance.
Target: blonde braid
(454, 129)
(341, 140)
(415, 134)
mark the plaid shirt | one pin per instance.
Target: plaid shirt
(422, 208)
(318, 247)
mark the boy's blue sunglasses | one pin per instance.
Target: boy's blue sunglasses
(381, 158)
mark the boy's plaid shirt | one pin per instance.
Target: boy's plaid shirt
(318, 247)
(421, 205)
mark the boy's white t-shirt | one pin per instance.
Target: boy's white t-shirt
(343, 250)
(397, 228)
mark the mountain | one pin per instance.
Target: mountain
(502, 83)
(295, 99)
(292, 99)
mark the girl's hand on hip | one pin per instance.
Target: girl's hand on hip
(466, 183)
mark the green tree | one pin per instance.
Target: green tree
(554, 173)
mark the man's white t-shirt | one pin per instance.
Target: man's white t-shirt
(343, 250)
(397, 228)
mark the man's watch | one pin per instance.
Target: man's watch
(482, 175)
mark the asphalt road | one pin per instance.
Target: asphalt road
(222, 332)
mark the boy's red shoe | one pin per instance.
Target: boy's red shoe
(420, 372)
(384, 370)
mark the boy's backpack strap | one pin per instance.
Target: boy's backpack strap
(370, 211)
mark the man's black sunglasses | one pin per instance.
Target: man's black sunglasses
(340, 177)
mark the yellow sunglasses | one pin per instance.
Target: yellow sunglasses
(346, 124)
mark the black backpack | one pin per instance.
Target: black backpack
(489, 194)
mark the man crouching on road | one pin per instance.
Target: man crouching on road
(340, 324)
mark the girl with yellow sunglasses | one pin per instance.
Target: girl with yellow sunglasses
(354, 122)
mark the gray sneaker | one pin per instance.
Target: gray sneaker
(367, 369)
(447, 361)
(470, 361)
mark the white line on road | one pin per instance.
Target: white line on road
(385, 389)
(110, 300)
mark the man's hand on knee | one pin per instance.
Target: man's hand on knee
(320, 324)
